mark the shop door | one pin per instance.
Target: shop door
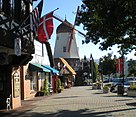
(5, 84)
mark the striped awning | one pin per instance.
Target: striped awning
(68, 66)
(51, 69)
(37, 67)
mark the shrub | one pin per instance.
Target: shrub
(59, 88)
(106, 87)
(132, 87)
(109, 85)
(46, 87)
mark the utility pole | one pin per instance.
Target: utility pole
(123, 66)
(91, 66)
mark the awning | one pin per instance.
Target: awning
(50, 68)
(68, 66)
(38, 67)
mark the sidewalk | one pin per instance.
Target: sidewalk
(27, 105)
(77, 102)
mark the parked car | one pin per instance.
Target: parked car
(116, 82)
(126, 86)
(107, 80)
(119, 81)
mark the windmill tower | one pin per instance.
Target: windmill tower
(66, 45)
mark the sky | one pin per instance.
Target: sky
(67, 9)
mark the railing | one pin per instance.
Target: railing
(7, 6)
(8, 102)
(15, 9)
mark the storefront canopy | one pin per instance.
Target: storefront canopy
(68, 66)
(52, 69)
(38, 67)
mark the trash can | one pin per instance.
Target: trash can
(120, 90)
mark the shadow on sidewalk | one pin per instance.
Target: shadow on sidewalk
(66, 113)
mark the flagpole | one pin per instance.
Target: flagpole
(50, 12)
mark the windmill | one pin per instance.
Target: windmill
(73, 29)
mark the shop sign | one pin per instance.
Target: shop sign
(16, 81)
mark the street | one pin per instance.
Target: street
(77, 102)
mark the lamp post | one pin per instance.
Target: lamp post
(123, 67)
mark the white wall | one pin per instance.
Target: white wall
(40, 55)
(62, 40)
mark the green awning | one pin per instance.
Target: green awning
(51, 69)
(37, 67)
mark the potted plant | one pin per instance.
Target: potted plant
(94, 86)
(131, 90)
(46, 87)
(106, 89)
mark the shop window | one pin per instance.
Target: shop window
(33, 83)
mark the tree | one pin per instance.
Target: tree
(132, 67)
(93, 69)
(107, 65)
(109, 22)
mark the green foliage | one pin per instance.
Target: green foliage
(93, 70)
(59, 87)
(132, 67)
(46, 86)
(132, 87)
(107, 65)
(107, 85)
(109, 22)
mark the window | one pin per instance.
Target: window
(57, 38)
(64, 48)
(33, 82)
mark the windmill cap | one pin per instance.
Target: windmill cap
(64, 27)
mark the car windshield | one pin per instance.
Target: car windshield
(117, 80)
(126, 83)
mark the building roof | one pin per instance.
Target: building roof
(68, 66)
(64, 27)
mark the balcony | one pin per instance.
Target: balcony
(12, 26)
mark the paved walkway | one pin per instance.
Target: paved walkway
(77, 102)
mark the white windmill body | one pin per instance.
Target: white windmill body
(66, 45)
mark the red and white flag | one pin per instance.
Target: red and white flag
(45, 28)
(119, 66)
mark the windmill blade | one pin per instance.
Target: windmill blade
(79, 34)
(68, 24)
(72, 31)
(87, 40)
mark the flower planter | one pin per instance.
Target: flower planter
(131, 93)
(96, 86)
(106, 90)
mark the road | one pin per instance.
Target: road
(78, 102)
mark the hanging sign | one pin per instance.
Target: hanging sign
(17, 46)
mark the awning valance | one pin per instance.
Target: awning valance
(51, 69)
(68, 66)
(38, 67)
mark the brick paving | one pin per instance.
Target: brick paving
(77, 102)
